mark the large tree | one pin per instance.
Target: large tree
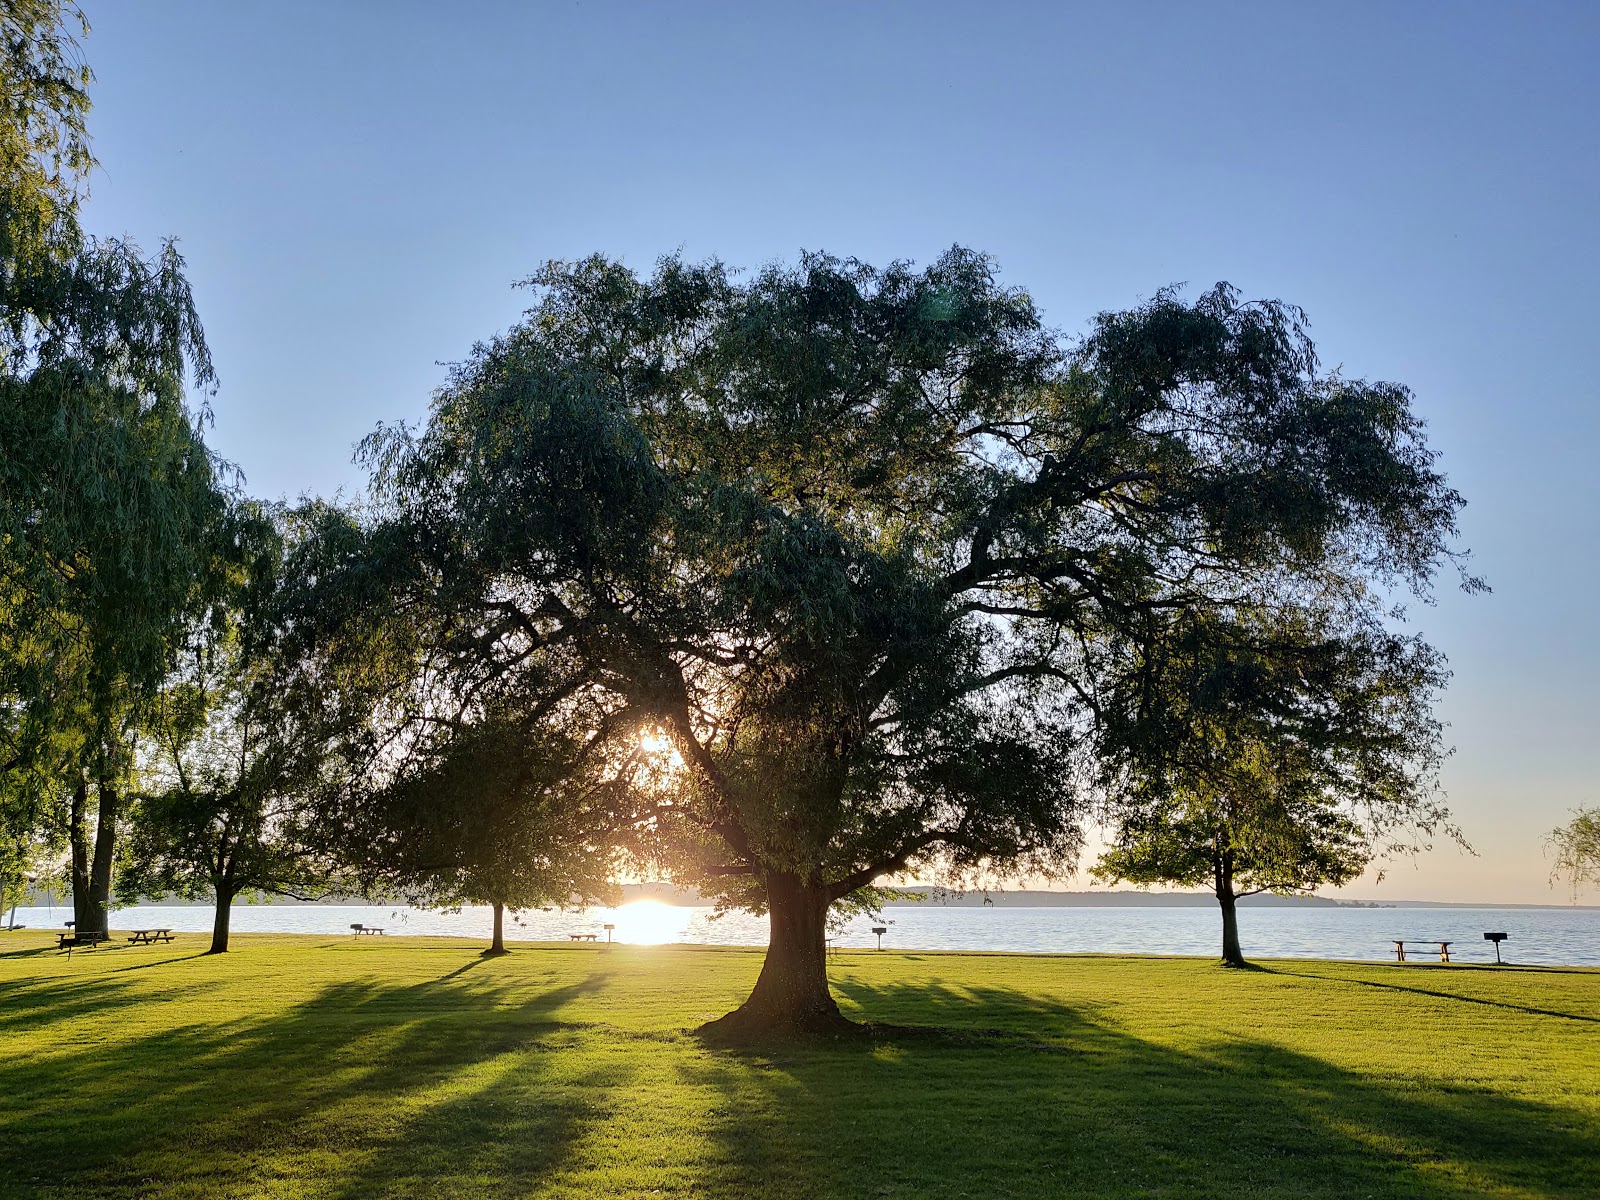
(1276, 757)
(112, 509)
(865, 544)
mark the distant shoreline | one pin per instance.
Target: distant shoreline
(667, 893)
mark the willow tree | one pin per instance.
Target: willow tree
(112, 509)
(1279, 757)
(1576, 846)
(866, 544)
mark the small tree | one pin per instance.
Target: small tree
(1254, 832)
(1576, 846)
(1276, 758)
(233, 776)
(501, 814)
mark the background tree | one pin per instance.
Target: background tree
(112, 509)
(233, 778)
(501, 814)
(868, 546)
(1270, 759)
(1576, 846)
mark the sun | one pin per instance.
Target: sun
(650, 922)
(660, 750)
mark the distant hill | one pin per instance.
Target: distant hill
(668, 893)
(1109, 899)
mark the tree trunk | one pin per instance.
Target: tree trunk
(78, 836)
(791, 995)
(224, 915)
(98, 917)
(498, 946)
(1232, 955)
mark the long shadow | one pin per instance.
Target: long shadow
(1417, 991)
(36, 1003)
(31, 952)
(409, 1083)
(160, 962)
(1053, 1100)
(464, 968)
(489, 1084)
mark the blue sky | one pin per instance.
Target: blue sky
(356, 187)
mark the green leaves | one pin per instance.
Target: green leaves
(884, 558)
(1270, 754)
(1576, 850)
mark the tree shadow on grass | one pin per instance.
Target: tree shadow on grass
(362, 1090)
(32, 1004)
(1438, 995)
(1015, 1095)
(476, 1084)
(30, 952)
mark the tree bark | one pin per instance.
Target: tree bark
(97, 919)
(791, 995)
(78, 836)
(219, 923)
(498, 945)
(1232, 955)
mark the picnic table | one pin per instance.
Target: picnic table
(1400, 947)
(359, 929)
(70, 940)
(583, 937)
(146, 937)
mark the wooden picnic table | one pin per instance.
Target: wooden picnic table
(583, 937)
(146, 937)
(359, 929)
(71, 940)
(1400, 947)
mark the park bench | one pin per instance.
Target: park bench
(583, 937)
(71, 940)
(1400, 947)
(359, 929)
(144, 937)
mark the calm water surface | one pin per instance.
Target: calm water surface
(1550, 936)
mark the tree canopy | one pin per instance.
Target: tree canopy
(1269, 758)
(114, 514)
(230, 779)
(1576, 846)
(871, 548)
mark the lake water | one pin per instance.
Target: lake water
(1542, 936)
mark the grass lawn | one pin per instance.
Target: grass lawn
(327, 1067)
